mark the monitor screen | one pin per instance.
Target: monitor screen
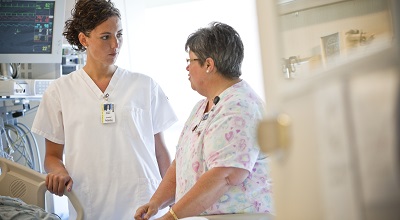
(31, 31)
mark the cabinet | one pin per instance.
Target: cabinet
(290, 6)
(328, 35)
(338, 158)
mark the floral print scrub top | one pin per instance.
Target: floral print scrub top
(226, 137)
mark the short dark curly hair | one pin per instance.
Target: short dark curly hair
(86, 16)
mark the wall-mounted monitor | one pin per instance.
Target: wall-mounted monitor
(31, 31)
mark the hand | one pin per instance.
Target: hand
(57, 181)
(146, 211)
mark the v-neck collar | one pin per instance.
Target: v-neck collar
(95, 89)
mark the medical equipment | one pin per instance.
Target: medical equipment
(32, 31)
(24, 88)
(18, 181)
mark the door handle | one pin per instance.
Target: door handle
(273, 133)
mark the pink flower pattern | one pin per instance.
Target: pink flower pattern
(226, 139)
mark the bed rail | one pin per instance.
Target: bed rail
(21, 182)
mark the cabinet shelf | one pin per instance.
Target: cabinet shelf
(290, 6)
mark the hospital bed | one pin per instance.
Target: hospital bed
(18, 181)
(21, 182)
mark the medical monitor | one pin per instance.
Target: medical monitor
(31, 31)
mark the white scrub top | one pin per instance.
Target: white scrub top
(113, 166)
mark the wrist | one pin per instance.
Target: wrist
(171, 211)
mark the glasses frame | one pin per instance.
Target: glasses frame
(188, 61)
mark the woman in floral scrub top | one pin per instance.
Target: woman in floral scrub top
(218, 166)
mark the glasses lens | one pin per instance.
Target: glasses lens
(188, 61)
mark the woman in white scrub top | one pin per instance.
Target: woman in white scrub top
(106, 120)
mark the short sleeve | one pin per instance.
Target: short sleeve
(162, 112)
(48, 121)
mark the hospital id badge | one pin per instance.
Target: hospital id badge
(107, 113)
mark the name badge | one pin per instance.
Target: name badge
(107, 113)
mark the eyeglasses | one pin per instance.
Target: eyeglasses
(190, 60)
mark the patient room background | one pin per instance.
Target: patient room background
(155, 33)
(342, 158)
